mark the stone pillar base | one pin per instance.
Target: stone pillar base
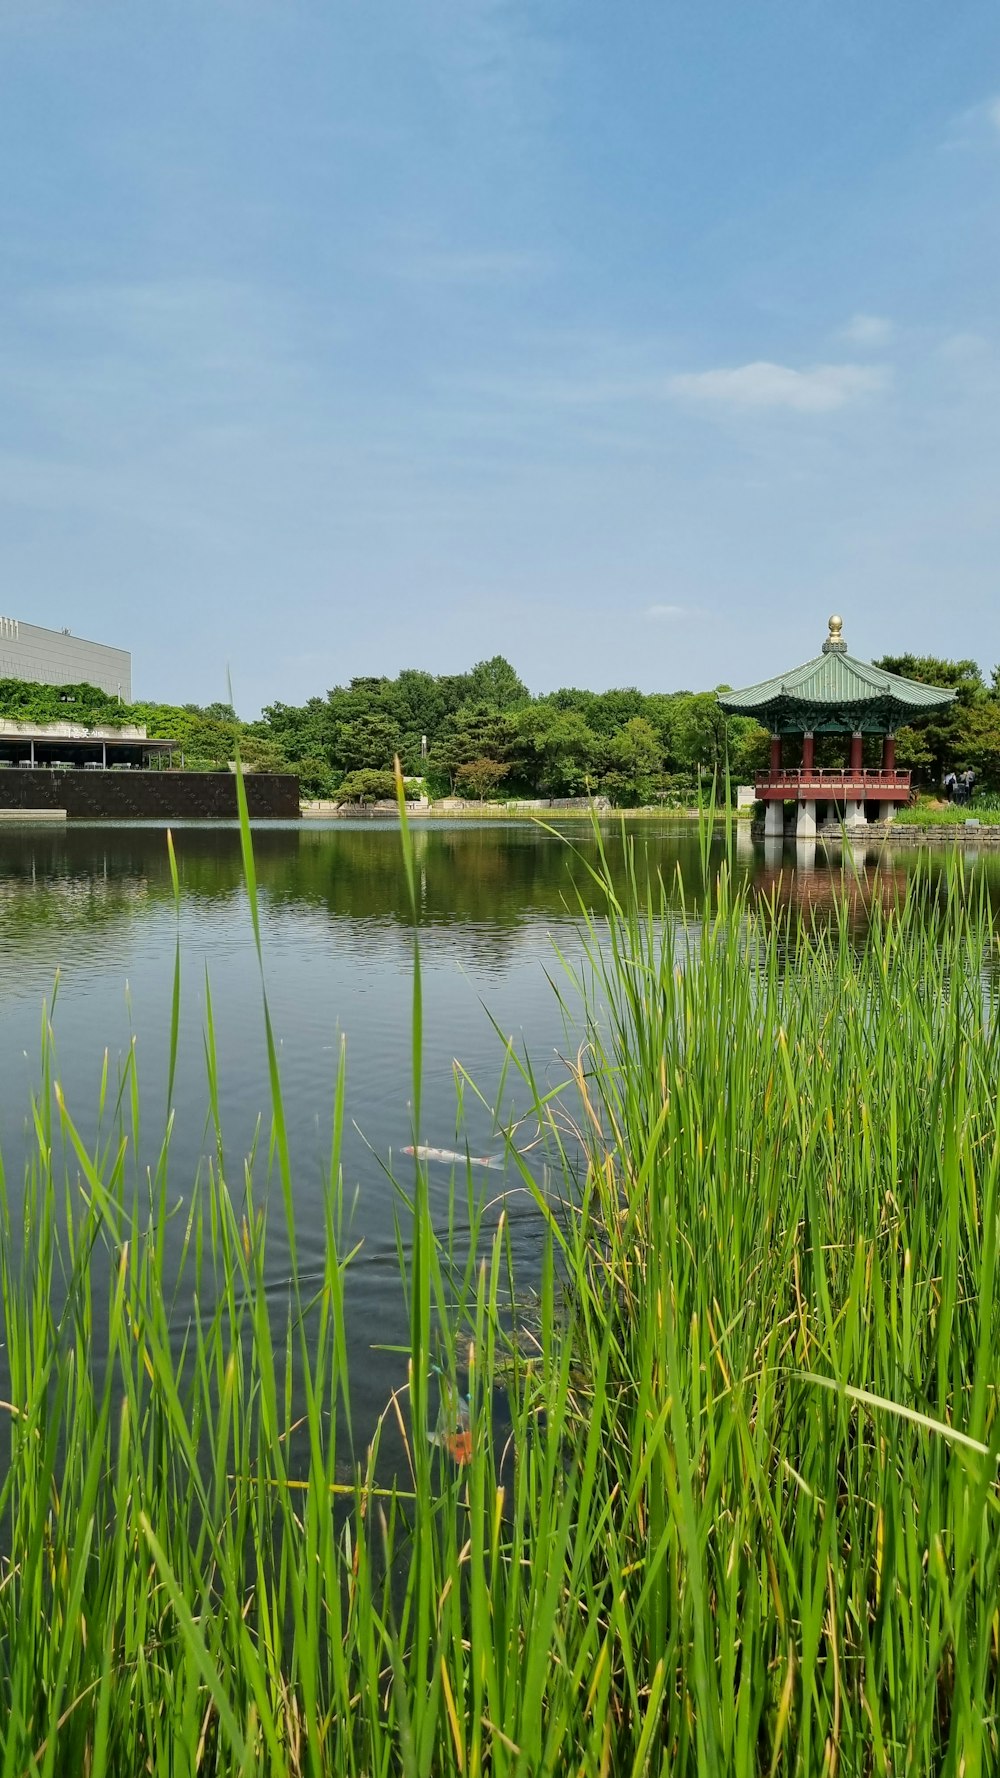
(805, 821)
(854, 814)
(887, 812)
(774, 821)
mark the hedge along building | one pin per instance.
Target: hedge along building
(835, 694)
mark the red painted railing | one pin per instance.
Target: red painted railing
(836, 783)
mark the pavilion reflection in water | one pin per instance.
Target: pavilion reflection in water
(819, 877)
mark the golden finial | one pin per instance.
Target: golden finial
(835, 643)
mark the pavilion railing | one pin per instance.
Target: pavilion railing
(834, 782)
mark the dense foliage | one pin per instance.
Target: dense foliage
(485, 736)
(482, 735)
(966, 735)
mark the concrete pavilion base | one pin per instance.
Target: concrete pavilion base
(774, 821)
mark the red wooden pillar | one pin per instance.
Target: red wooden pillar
(889, 753)
(857, 753)
(808, 750)
(775, 753)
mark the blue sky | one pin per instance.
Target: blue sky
(626, 340)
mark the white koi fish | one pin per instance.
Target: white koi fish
(449, 1157)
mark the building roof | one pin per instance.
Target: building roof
(73, 743)
(75, 731)
(835, 692)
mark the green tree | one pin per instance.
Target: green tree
(366, 787)
(748, 749)
(369, 743)
(480, 777)
(421, 704)
(301, 731)
(261, 755)
(929, 745)
(634, 764)
(494, 685)
(981, 743)
(555, 749)
(700, 732)
(473, 732)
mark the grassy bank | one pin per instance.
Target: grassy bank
(929, 812)
(731, 1504)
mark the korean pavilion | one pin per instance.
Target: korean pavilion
(835, 694)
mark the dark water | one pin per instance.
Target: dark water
(95, 904)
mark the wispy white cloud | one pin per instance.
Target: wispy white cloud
(975, 126)
(867, 330)
(963, 347)
(818, 390)
(443, 266)
(138, 366)
(662, 613)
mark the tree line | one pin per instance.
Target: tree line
(482, 735)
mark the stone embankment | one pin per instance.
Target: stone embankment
(455, 805)
(966, 833)
(929, 833)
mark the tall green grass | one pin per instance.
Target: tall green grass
(740, 1512)
(926, 812)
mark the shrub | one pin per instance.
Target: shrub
(366, 787)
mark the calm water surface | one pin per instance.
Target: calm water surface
(94, 905)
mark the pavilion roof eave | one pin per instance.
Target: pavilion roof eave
(790, 715)
(834, 691)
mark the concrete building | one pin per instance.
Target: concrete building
(54, 657)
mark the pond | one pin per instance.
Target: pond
(94, 905)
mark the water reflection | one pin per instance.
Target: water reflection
(73, 890)
(96, 903)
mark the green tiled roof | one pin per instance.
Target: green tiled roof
(838, 691)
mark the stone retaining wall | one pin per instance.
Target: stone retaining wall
(929, 834)
(173, 796)
(938, 833)
(457, 805)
